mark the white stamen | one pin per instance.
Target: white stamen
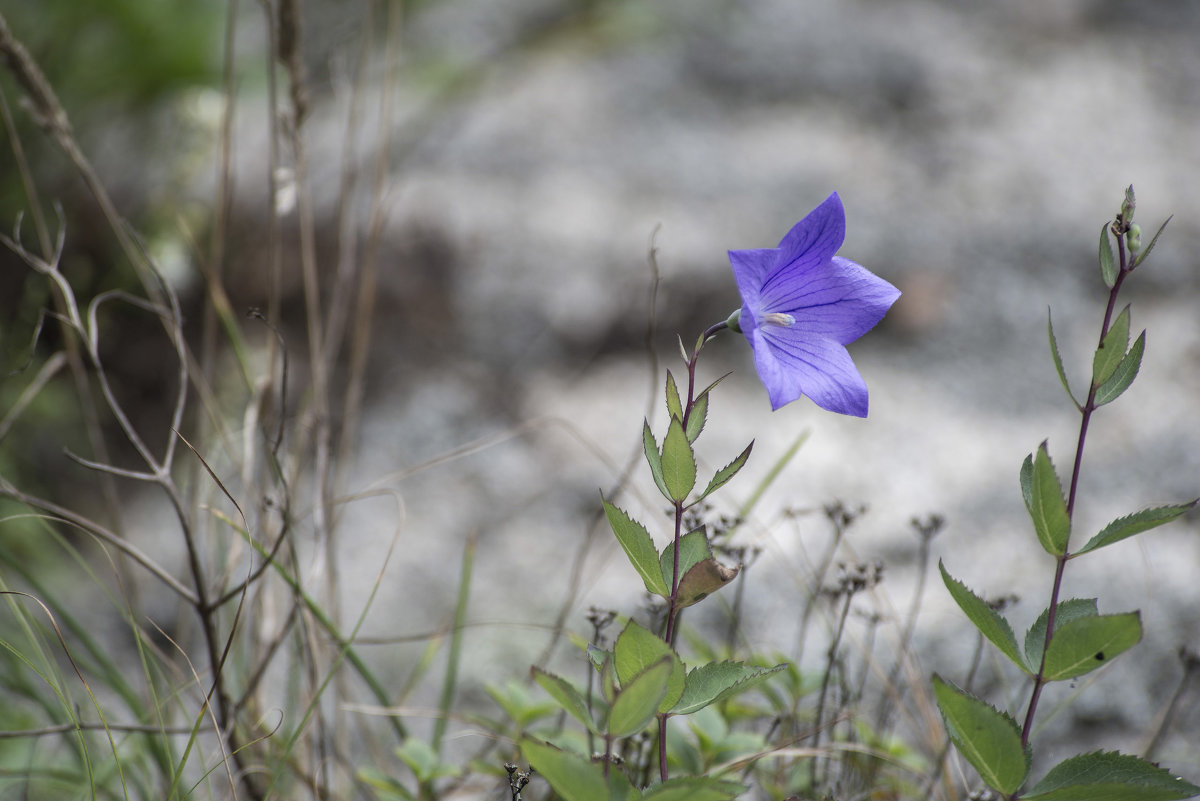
(779, 318)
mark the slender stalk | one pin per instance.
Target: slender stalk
(1089, 407)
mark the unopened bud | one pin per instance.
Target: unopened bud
(1133, 239)
(1128, 206)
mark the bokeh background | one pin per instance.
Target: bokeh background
(534, 152)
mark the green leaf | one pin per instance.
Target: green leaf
(991, 624)
(636, 649)
(423, 761)
(1108, 265)
(678, 462)
(1109, 776)
(1027, 483)
(598, 656)
(697, 418)
(654, 459)
(716, 681)
(572, 777)
(1047, 506)
(1146, 252)
(674, 407)
(638, 700)
(1123, 376)
(567, 697)
(987, 738)
(1058, 362)
(693, 548)
(516, 702)
(1112, 349)
(1035, 638)
(1136, 523)
(694, 788)
(722, 476)
(638, 546)
(1087, 643)
(702, 580)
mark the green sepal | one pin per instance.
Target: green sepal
(572, 776)
(991, 624)
(986, 737)
(1123, 376)
(1108, 265)
(1089, 642)
(715, 681)
(693, 548)
(697, 417)
(694, 788)
(674, 406)
(1109, 776)
(565, 694)
(639, 548)
(637, 649)
(1136, 523)
(723, 476)
(1058, 362)
(678, 462)
(1047, 506)
(1035, 638)
(1146, 252)
(1112, 349)
(638, 700)
(654, 459)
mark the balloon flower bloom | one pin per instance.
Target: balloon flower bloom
(801, 306)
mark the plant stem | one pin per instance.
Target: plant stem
(1086, 411)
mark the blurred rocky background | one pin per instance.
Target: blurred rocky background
(536, 152)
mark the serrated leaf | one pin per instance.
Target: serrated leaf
(1047, 506)
(1058, 362)
(639, 699)
(722, 476)
(1123, 376)
(1112, 349)
(636, 649)
(702, 580)
(1108, 265)
(654, 459)
(697, 418)
(1142, 256)
(986, 737)
(1109, 776)
(1136, 523)
(572, 777)
(674, 406)
(1027, 483)
(694, 788)
(693, 548)
(638, 546)
(716, 681)
(569, 698)
(597, 656)
(678, 462)
(1035, 638)
(1088, 643)
(991, 624)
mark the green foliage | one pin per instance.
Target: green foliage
(1108, 264)
(991, 624)
(715, 681)
(1110, 776)
(1136, 523)
(1088, 642)
(989, 739)
(678, 462)
(638, 546)
(1124, 373)
(1066, 611)
(637, 650)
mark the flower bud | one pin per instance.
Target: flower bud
(1128, 206)
(1133, 239)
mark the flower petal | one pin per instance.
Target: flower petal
(842, 301)
(814, 239)
(750, 269)
(792, 361)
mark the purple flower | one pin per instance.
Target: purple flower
(801, 305)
